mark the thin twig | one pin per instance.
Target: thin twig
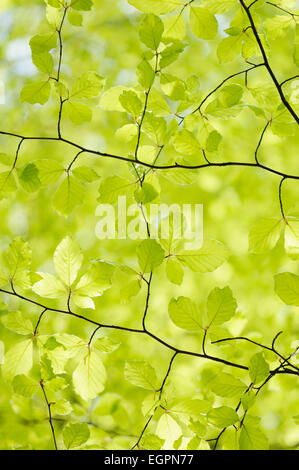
(49, 413)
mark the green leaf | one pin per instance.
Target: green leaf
(159, 7)
(174, 271)
(248, 400)
(18, 360)
(151, 442)
(141, 374)
(36, 92)
(158, 105)
(151, 30)
(54, 17)
(16, 262)
(208, 258)
(105, 345)
(155, 128)
(43, 62)
(185, 143)
(277, 26)
(233, 31)
(283, 129)
(57, 359)
(71, 342)
(43, 43)
(222, 417)
(7, 183)
(190, 407)
(168, 429)
(226, 385)
(219, 6)
(29, 178)
(213, 141)
(110, 99)
(145, 74)
(264, 235)
(68, 259)
(131, 103)
(251, 436)
(75, 434)
(83, 302)
(145, 194)
(94, 281)
(49, 171)
(258, 368)
(128, 132)
(287, 288)
(230, 95)
(61, 90)
(229, 48)
(291, 238)
(68, 195)
(16, 321)
(78, 112)
(49, 287)
(198, 444)
(173, 87)
(89, 85)
(185, 314)
(25, 386)
(171, 53)
(113, 187)
(54, 3)
(75, 18)
(203, 24)
(89, 376)
(150, 255)
(221, 306)
(61, 407)
(5, 159)
(85, 174)
(82, 5)
(131, 289)
(174, 28)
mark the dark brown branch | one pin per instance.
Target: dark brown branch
(49, 413)
(167, 374)
(222, 83)
(289, 79)
(160, 395)
(38, 322)
(160, 167)
(271, 349)
(59, 32)
(92, 336)
(132, 330)
(267, 64)
(282, 9)
(143, 431)
(260, 142)
(280, 198)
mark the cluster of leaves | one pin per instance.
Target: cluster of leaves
(66, 360)
(167, 130)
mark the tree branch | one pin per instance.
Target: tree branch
(267, 64)
(49, 412)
